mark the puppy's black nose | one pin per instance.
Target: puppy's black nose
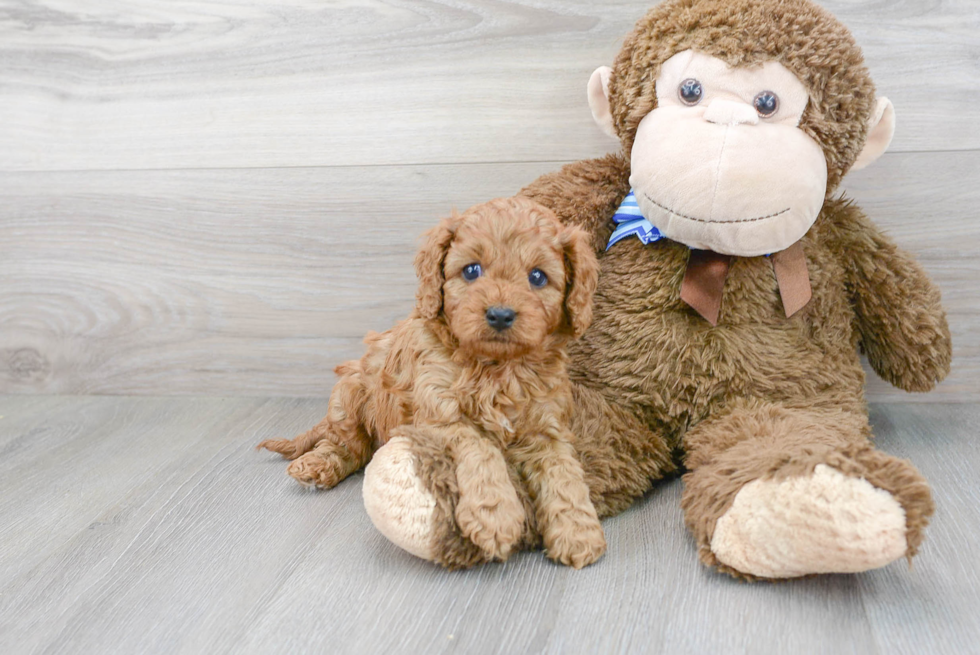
(500, 318)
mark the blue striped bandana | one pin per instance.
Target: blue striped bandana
(630, 221)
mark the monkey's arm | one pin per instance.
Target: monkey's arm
(585, 193)
(900, 320)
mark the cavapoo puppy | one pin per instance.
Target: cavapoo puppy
(478, 369)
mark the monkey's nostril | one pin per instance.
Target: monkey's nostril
(501, 318)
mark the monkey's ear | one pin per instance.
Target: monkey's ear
(582, 271)
(599, 100)
(879, 136)
(428, 266)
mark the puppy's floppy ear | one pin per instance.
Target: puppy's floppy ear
(583, 276)
(428, 265)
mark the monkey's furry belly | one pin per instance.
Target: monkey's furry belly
(648, 350)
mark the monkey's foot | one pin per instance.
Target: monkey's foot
(397, 502)
(824, 523)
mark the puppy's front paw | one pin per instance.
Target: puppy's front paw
(574, 539)
(317, 470)
(493, 523)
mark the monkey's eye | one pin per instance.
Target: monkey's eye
(472, 271)
(690, 92)
(766, 103)
(537, 278)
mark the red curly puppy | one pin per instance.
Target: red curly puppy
(478, 369)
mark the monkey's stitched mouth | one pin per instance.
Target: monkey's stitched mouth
(702, 220)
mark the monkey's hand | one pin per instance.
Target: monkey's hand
(900, 319)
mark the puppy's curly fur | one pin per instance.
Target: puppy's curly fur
(487, 395)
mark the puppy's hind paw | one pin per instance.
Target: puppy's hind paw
(315, 470)
(575, 543)
(493, 524)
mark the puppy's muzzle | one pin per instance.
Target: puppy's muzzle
(500, 318)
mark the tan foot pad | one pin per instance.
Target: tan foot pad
(826, 523)
(398, 504)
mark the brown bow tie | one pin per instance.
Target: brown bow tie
(704, 280)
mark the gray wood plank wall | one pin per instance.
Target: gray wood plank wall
(222, 197)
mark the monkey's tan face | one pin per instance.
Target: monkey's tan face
(721, 164)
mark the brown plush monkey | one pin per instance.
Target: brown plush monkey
(737, 289)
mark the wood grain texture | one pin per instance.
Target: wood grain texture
(258, 282)
(243, 181)
(120, 85)
(222, 196)
(171, 535)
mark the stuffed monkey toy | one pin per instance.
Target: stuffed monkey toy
(737, 289)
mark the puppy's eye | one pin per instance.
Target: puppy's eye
(690, 91)
(472, 272)
(537, 278)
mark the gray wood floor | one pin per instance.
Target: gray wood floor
(150, 525)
